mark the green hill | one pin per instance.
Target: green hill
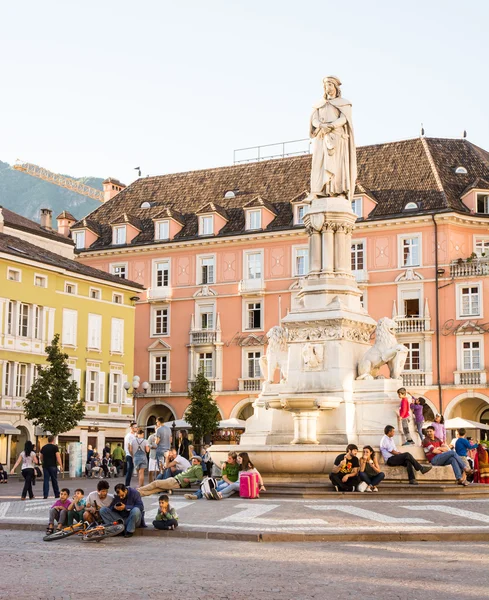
(26, 195)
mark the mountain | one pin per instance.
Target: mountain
(26, 195)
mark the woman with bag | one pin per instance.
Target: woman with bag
(139, 449)
(183, 444)
(370, 472)
(246, 469)
(29, 460)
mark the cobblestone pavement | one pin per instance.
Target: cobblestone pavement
(152, 568)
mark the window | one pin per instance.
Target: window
(410, 251)
(10, 317)
(160, 321)
(160, 368)
(357, 256)
(482, 247)
(411, 307)
(207, 269)
(40, 281)
(253, 314)
(302, 211)
(207, 316)
(471, 355)
(470, 301)
(117, 336)
(79, 239)
(301, 262)
(23, 320)
(7, 378)
(119, 236)
(253, 364)
(117, 298)
(119, 270)
(205, 364)
(70, 288)
(94, 331)
(254, 219)
(483, 203)
(37, 332)
(21, 382)
(254, 265)
(115, 388)
(357, 207)
(95, 294)
(92, 386)
(413, 357)
(162, 274)
(206, 225)
(13, 275)
(411, 206)
(162, 230)
(70, 318)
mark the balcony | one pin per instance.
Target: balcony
(156, 294)
(469, 268)
(250, 385)
(412, 324)
(470, 377)
(414, 379)
(215, 384)
(203, 336)
(361, 276)
(251, 286)
(159, 387)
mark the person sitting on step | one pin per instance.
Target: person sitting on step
(440, 455)
(394, 458)
(166, 517)
(370, 472)
(344, 475)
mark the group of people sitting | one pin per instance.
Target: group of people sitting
(101, 507)
(108, 465)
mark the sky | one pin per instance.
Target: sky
(100, 87)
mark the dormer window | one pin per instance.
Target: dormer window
(119, 235)
(79, 239)
(411, 206)
(483, 204)
(301, 212)
(461, 171)
(357, 207)
(253, 219)
(162, 230)
(206, 225)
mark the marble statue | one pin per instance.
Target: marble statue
(276, 356)
(334, 161)
(385, 351)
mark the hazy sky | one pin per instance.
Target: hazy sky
(99, 87)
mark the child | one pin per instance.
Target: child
(405, 415)
(77, 507)
(166, 517)
(58, 511)
(3, 474)
(440, 431)
(417, 407)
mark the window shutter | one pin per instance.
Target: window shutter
(87, 385)
(111, 387)
(117, 335)
(125, 399)
(77, 378)
(101, 387)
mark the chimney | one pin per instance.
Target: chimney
(111, 188)
(2, 220)
(46, 218)
(65, 220)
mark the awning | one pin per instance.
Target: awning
(226, 424)
(8, 429)
(459, 423)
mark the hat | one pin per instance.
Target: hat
(332, 78)
(199, 458)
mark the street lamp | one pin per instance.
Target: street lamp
(135, 393)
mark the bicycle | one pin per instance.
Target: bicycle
(61, 534)
(100, 532)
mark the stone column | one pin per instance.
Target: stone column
(348, 250)
(328, 248)
(314, 223)
(305, 427)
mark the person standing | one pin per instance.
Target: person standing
(139, 450)
(417, 406)
(51, 458)
(405, 416)
(394, 458)
(29, 459)
(118, 457)
(183, 443)
(462, 446)
(128, 440)
(163, 440)
(152, 465)
(439, 427)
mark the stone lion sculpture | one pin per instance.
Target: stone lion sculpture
(276, 355)
(385, 351)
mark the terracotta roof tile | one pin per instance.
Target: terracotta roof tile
(16, 221)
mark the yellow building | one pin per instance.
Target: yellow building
(43, 292)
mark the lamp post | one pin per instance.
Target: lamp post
(135, 393)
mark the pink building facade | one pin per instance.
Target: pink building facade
(221, 254)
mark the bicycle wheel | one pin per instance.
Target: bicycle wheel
(59, 535)
(101, 532)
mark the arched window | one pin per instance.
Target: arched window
(411, 206)
(461, 171)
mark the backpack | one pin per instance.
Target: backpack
(206, 487)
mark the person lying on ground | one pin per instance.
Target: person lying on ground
(166, 517)
(344, 475)
(96, 500)
(126, 506)
(394, 458)
(370, 472)
(440, 455)
(245, 466)
(185, 479)
(230, 474)
(76, 509)
(59, 511)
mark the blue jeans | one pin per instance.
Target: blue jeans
(131, 520)
(373, 481)
(129, 469)
(230, 489)
(219, 487)
(168, 473)
(50, 473)
(450, 458)
(419, 427)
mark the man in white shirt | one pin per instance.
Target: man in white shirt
(174, 464)
(128, 441)
(393, 458)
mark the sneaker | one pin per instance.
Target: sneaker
(128, 534)
(215, 494)
(426, 469)
(375, 489)
(191, 496)
(336, 488)
(369, 489)
(413, 482)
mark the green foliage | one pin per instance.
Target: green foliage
(52, 401)
(202, 414)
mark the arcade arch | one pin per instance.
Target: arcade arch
(148, 415)
(243, 409)
(469, 406)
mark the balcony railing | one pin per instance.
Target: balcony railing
(251, 286)
(159, 293)
(213, 383)
(203, 336)
(159, 387)
(473, 268)
(412, 324)
(470, 377)
(414, 379)
(361, 276)
(250, 385)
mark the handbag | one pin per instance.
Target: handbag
(38, 471)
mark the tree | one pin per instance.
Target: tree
(53, 400)
(202, 414)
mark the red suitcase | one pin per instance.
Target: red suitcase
(249, 486)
